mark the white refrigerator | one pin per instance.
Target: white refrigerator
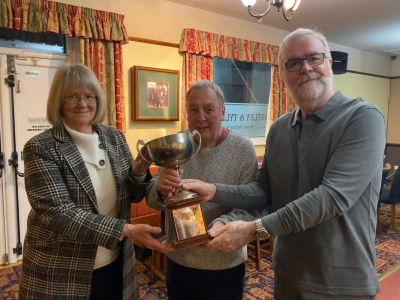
(25, 79)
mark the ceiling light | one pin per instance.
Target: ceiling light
(288, 7)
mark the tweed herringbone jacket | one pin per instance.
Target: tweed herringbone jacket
(64, 225)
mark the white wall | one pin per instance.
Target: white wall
(394, 104)
(372, 89)
(394, 112)
(364, 61)
(148, 55)
(163, 20)
(396, 67)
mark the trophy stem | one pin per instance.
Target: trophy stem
(182, 196)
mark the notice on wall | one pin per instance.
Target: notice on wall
(37, 124)
(248, 119)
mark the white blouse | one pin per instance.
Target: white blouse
(99, 167)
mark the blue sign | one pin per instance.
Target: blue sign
(248, 119)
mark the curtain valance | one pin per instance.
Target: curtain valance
(70, 20)
(216, 45)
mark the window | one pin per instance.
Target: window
(48, 42)
(246, 88)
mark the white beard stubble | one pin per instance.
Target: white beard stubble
(311, 88)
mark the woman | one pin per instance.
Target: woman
(80, 179)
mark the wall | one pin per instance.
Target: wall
(394, 112)
(396, 67)
(373, 89)
(364, 61)
(394, 104)
(164, 21)
(148, 55)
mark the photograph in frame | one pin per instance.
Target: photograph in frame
(155, 94)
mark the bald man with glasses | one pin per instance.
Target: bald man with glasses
(321, 177)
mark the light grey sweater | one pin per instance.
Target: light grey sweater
(233, 161)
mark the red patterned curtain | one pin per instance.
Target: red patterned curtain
(279, 100)
(105, 59)
(101, 36)
(196, 67)
(208, 45)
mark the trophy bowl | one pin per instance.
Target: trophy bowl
(170, 150)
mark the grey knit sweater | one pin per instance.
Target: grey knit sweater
(231, 162)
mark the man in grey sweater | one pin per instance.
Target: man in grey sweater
(321, 175)
(225, 157)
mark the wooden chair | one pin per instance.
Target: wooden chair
(258, 248)
(392, 197)
(379, 221)
(141, 213)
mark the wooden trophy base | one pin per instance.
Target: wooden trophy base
(188, 221)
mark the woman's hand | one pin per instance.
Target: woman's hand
(141, 233)
(139, 167)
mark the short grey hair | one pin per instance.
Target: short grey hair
(67, 77)
(298, 33)
(206, 84)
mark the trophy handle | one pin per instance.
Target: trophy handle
(141, 142)
(195, 132)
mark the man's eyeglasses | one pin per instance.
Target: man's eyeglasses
(75, 98)
(295, 64)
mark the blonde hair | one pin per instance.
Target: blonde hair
(67, 77)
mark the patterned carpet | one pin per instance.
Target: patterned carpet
(258, 285)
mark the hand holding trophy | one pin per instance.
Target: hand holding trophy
(184, 207)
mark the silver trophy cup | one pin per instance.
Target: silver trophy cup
(171, 151)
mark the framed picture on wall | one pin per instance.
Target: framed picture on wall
(155, 94)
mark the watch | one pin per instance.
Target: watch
(261, 232)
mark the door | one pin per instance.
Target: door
(3, 230)
(28, 99)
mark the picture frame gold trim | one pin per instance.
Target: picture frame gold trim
(155, 94)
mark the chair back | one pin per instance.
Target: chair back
(384, 174)
(395, 187)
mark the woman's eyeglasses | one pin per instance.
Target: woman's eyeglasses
(75, 98)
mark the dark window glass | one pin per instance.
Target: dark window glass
(35, 41)
(243, 82)
(246, 88)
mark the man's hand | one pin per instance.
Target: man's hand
(168, 182)
(141, 234)
(206, 190)
(216, 225)
(232, 236)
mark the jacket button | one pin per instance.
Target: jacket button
(102, 162)
(101, 146)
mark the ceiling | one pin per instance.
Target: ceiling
(362, 24)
